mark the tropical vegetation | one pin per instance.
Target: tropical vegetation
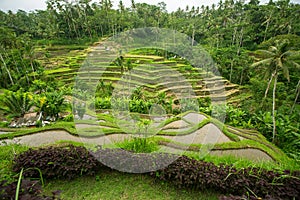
(256, 49)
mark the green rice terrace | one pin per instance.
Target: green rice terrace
(174, 126)
(191, 130)
(102, 101)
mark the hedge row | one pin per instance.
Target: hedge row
(69, 162)
(186, 172)
(57, 162)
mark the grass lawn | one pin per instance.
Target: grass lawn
(117, 185)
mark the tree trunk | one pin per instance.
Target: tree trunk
(231, 70)
(240, 42)
(241, 79)
(273, 110)
(266, 31)
(297, 95)
(234, 36)
(33, 71)
(6, 69)
(193, 36)
(267, 27)
(269, 85)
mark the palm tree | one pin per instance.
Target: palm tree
(278, 59)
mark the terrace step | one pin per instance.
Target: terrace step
(136, 57)
(153, 73)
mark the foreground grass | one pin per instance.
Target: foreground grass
(7, 154)
(110, 184)
(118, 185)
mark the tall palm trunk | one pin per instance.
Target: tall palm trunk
(6, 69)
(193, 36)
(32, 68)
(297, 96)
(231, 71)
(269, 85)
(268, 88)
(273, 109)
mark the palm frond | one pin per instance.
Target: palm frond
(279, 63)
(265, 53)
(273, 49)
(291, 53)
(285, 69)
(262, 62)
(293, 64)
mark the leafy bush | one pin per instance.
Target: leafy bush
(139, 145)
(56, 162)
(28, 190)
(69, 162)
(39, 124)
(237, 117)
(69, 118)
(104, 89)
(102, 103)
(140, 106)
(4, 124)
(38, 86)
(287, 137)
(189, 105)
(186, 172)
(17, 103)
(52, 103)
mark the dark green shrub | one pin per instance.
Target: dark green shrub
(57, 162)
(4, 124)
(139, 145)
(28, 190)
(51, 104)
(190, 173)
(17, 103)
(102, 103)
(69, 118)
(39, 123)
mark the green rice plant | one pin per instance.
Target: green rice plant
(139, 145)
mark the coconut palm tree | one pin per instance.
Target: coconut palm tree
(278, 59)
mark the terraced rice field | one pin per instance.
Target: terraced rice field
(189, 132)
(152, 75)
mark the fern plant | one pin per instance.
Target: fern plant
(17, 103)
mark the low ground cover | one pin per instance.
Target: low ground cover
(185, 173)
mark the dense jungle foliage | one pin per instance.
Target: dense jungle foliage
(254, 45)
